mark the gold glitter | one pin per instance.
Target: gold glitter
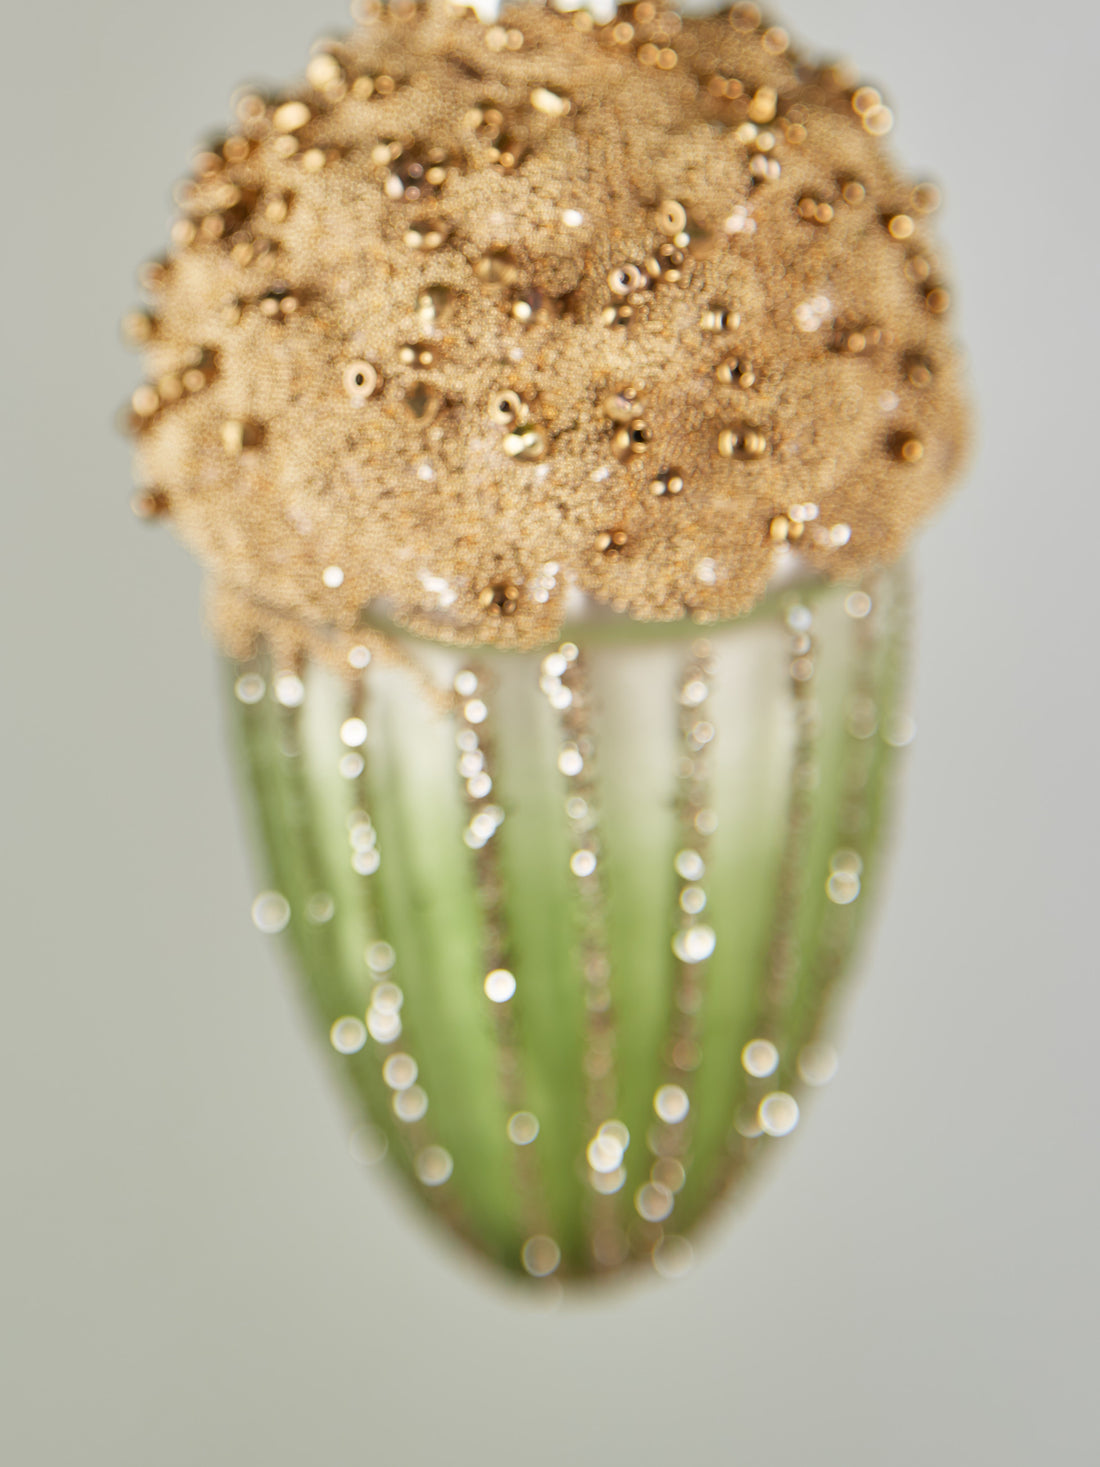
(630, 442)
(878, 121)
(925, 198)
(746, 17)
(918, 371)
(138, 328)
(864, 100)
(239, 434)
(624, 279)
(501, 599)
(671, 217)
(669, 482)
(717, 318)
(814, 211)
(290, 117)
(505, 407)
(528, 443)
(449, 311)
(145, 401)
(742, 443)
(324, 72)
(360, 380)
(762, 108)
(544, 100)
(610, 542)
(150, 504)
(910, 450)
(736, 373)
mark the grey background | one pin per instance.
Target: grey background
(192, 1269)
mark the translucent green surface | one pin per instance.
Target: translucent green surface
(666, 836)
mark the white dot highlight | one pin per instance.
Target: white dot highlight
(800, 618)
(290, 691)
(386, 998)
(778, 1113)
(434, 1165)
(818, 1062)
(410, 1105)
(669, 1173)
(604, 1152)
(320, 908)
(400, 1071)
(673, 1257)
(694, 944)
(541, 1256)
(348, 1035)
(689, 865)
(368, 1145)
(250, 688)
(760, 1058)
(523, 1127)
(653, 1202)
(380, 957)
(607, 1183)
(500, 985)
(671, 1104)
(570, 761)
(271, 911)
(383, 1025)
(353, 732)
(842, 887)
(899, 730)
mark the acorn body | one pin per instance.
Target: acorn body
(571, 919)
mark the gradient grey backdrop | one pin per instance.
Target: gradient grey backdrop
(192, 1269)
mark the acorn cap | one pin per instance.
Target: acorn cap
(480, 316)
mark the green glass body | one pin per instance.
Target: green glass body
(570, 920)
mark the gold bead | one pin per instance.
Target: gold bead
(527, 444)
(506, 407)
(360, 380)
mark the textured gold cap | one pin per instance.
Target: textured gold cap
(482, 315)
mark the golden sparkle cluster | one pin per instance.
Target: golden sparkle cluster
(482, 315)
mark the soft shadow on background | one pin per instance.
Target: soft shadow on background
(192, 1268)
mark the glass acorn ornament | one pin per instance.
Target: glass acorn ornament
(549, 400)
